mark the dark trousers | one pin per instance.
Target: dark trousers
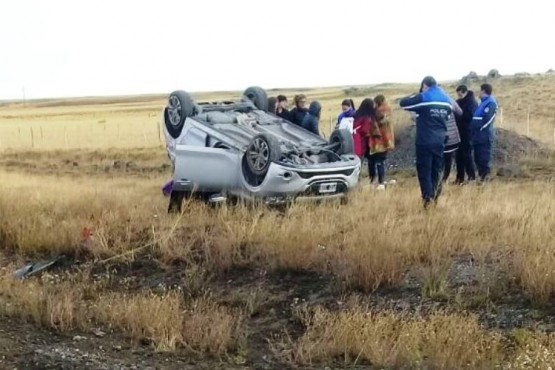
(376, 165)
(482, 158)
(429, 166)
(448, 163)
(465, 164)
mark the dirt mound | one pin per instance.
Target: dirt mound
(509, 148)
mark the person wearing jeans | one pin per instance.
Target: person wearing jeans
(380, 141)
(433, 107)
(376, 166)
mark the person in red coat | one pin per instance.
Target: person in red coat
(361, 126)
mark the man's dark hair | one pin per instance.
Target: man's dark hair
(462, 89)
(281, 98)
(366, 109)
(272, 104)
(487, 88)
(429, 81)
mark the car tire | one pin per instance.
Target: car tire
(261, 152)
(176, 201)
(343, 141)
(258, 97)
(180, 106)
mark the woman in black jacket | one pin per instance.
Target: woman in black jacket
(297, 114)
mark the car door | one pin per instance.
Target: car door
(200, 166)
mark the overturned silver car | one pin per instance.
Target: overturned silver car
(237, 150)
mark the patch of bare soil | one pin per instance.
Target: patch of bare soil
(509, 150)
(271, 301)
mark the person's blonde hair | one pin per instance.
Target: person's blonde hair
(379, 100)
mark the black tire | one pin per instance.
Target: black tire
(258, 96)
(180, 106)
(261, 152)
(342, 141)
(176, 201)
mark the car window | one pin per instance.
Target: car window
(195, 137)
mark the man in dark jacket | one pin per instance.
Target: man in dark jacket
(433, 108)
(468, 104)
(296, 115)
(282, 110)
(312, 120)
(482, 131)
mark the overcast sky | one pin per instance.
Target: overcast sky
(60, 48)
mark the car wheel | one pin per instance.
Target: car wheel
(342, 142)
(258, 96)
(261, 152)
(176, 201)
(180, 106)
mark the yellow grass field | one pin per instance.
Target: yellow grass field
(378, 283)
(136, 121)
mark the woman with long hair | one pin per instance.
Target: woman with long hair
(347, 110)
(380, 141)
(361, 126)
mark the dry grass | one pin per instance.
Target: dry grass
(389, 340)
(373, 242)
(533, 351)
(366, 244)
(166, 321)
(136, 121)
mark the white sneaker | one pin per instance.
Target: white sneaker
(391, 182)
(381, 187)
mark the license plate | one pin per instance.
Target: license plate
(328, 187)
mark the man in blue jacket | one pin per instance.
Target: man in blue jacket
(483, 132)
(433, 108)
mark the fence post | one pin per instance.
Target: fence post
(159, 132)
(528, 123)
(32, 137)
(65, 136)
(41, 135)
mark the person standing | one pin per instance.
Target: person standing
(347, 110)
(272, 105)
(483, 132)
(361, 126)
(465, 164)
(453, 140)
(311, 121)
(380, 141)
(433, 107)
(282, 109)
(297, 114)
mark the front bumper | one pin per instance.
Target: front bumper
(307, 183)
